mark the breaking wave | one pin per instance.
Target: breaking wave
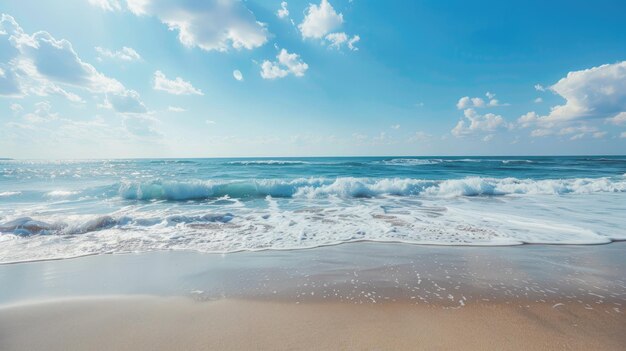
(349, 187)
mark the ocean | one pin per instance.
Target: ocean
(64, 209)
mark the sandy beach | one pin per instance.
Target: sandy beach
(355, 296)
(149, 323)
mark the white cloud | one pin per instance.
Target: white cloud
(528, 119)
(395, 126)
(541, 132)
(574, 132)
(355, 39)
(107, 5)
(577, 136)
(176, 109)
(538, 100)
(337, 40)
(581, 129)
(618, 119)
(142, 126)
(420, 137)
(467, 102)
(474, 123)
(283, 11)
(539, 87)
(237, 75)
(42, 65)
(598, 92)
(286, 63)
(127, 101)
(488, 137)
(320, 20)
(599, 135)
(464, 102)
(43, 113)
(209, 24)
(177, 86)
(125, 54)
(590, 96)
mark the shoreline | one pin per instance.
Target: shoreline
(321, 246)
(359, 296)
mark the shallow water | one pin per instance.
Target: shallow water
(62, 209)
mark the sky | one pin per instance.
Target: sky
(226, 78)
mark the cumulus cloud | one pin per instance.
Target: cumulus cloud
(42, 65)
(475, 123)
(337, 40)
(590, 95)
(282, 11)
(528, 119)
(125, 54)
(286, 63)
(598, 92)
(177, 86)
(468, 102)
(237, 75)
(539, 87)
(210, 24)
(320, 20)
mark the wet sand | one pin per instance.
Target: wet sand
(355, 296)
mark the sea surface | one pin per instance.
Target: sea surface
(64, 209)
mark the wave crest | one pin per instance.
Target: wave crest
(348, 187)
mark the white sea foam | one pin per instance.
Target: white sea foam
(61, 193)
(228, 225)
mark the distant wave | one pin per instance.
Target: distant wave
(267, 162)
(434, 161)
(349, 187)
(410, 162)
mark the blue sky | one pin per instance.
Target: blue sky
(156, 78)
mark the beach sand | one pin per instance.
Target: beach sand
(371, 296)
(149, 323)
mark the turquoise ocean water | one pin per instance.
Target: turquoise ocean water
(62, 209)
